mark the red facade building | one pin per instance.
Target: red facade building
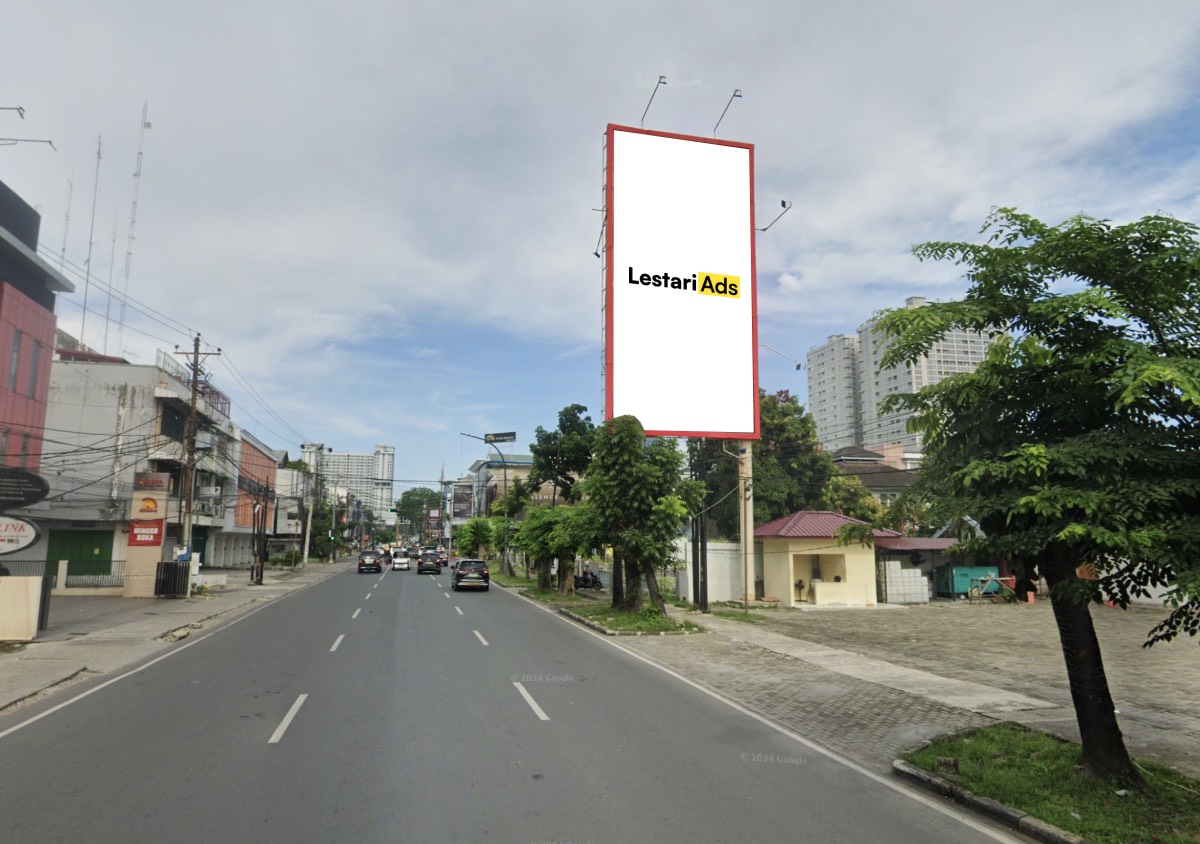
(28, 286)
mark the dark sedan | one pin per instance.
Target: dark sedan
(471, 574)
(370, 561)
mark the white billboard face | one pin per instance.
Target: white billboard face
(681, 346)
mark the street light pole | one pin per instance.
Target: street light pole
(504, 466)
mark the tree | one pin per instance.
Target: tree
(414, 505)
(561, 456)
(475, 537)
(640, 500)
(1075, 444)
(790, 471)
(846, 494)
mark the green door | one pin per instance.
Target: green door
(89, 551)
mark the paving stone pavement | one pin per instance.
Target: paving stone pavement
(869, 723)
(866, 682)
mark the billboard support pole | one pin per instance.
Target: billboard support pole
(746, 517)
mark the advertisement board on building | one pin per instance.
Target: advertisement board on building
(681, 346)
(146, 533)
(16, 534)
(463, 496)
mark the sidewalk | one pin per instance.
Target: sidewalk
(87, 636)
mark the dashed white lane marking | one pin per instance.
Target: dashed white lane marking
(533, 704)
(356, 612)
(368, 597)
(479, 636)
(287, 720)
(337, 642)
(458, 610)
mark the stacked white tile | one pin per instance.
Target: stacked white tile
(905, 586)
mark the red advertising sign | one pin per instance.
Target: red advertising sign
(146, 533)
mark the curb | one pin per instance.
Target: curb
(600, 628)
(1012, 818)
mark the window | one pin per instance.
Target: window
(34, 359)
(15, 362)
(3, 445)
(24, 450)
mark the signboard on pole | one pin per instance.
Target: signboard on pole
(505, 437)
(680, 335)
(21, 488)
(146, 533)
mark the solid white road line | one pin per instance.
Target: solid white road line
(287, 720)
(479, 636)
(533, 704)
(337, 642)
(356, 612)
(458, 610)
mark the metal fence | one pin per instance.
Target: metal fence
(81, 574)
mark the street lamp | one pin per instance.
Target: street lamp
(491, 440)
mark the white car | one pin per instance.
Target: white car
(399, 561)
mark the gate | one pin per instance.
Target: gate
(172, 580)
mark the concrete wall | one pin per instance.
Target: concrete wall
(19, 601)
(724, 572)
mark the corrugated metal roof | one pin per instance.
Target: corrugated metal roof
(811, 524)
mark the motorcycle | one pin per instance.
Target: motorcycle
(588, 580)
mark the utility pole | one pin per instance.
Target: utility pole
(189, 474)
(746, 513)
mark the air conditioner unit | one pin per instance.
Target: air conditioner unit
(208, 491)
(205, 440)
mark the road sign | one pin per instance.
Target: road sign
(506, 437)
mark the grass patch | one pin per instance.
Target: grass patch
(647, 621)
(551, 596)
(739, 615)
(1039, 774)
(501, 578)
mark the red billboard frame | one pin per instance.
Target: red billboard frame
(609, 229)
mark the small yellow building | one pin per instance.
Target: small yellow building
(803, 564)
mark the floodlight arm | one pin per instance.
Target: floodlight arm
(799, 365)
(737, 93)
(787, 206)
(662, 80)
(8, 142)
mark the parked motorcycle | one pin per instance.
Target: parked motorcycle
(588, 580)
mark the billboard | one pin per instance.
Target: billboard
(680, 333)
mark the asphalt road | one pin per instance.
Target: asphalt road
(386, 708)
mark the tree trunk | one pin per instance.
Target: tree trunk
(618, 581)
(633, 586)
(566, 579)
(1104, 753)
(543, 568)
(652, 587)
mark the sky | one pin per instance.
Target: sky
(384, 214)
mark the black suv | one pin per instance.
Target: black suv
(471, 574)
(370, 561)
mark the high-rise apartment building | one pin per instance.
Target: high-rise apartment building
(846, 417)
(833, 398)
(367, 476)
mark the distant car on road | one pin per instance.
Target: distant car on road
(399, 561)
(370, 561)
(471, 574)
(428, 565)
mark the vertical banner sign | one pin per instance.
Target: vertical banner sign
(147, 527)
(681, 341)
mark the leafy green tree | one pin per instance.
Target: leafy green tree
(1076, 444)
(846, 494)
(790, 471)
(414, 504)
(561, 456)
(640, 500)
(475, 537)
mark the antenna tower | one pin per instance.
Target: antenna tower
(137, 182)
